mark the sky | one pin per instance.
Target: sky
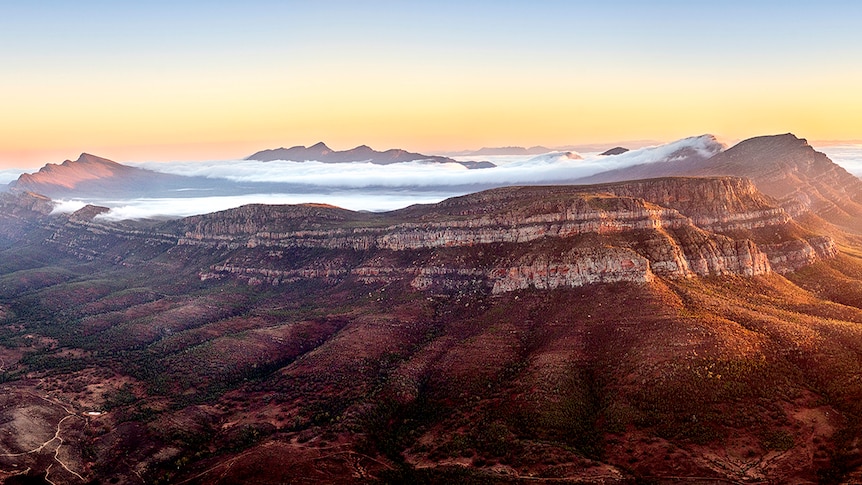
(217, 80)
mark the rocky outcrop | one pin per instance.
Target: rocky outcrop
(718, 204)
(614, 151)
(578, 268)
(793, 255)
(784, 167)
(502, 215)
(589, 214)
(494, 241)
(633, 231)
(25, 204)
(640, 258)
(87, 213)
(694, 252)
(20, 212)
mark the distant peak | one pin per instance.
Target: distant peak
(614, 151)
(69, 174)
(319, 146)
(789, 138)
(89, 158)
(801, 141)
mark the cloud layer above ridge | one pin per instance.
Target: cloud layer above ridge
(526, 170)
(369, 187)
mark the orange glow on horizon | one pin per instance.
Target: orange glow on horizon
(132, 119)
(188, 81)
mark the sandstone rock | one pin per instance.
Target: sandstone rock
(494, 241)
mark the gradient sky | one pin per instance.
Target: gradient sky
(218, 80)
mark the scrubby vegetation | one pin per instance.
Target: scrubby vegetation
(167, 369)
(614, 375)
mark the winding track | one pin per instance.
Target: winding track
(57, 437)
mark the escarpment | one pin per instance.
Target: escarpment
(785, 167)
(581, 215)
(789, 169)
(19, 213)
(514, 214)
(519, 237)
(493, 241)
(718, 204)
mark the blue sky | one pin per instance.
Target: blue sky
(142, 79)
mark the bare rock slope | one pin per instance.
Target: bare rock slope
(498, 240)
(782, 166)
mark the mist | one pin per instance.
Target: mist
(9, 175)
(542, 169)
(848, 156)
(363, 186)
(167, 207)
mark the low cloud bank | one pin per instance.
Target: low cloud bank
(848, 156)
(10, 175)
(147, 208)
(368, 187)
(527, 170)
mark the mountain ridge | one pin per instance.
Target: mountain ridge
(740, 232)
(91, 175)
(783, 166)
(70, 173)
(665, 329)
(319, 152)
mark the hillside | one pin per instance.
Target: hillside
(675, 327)
(90, 175)
(782, 166)
(790, 170)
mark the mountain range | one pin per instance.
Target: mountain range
(98, 179)
(319, 152)
(90, 175)
(782, 166)
(695, 319)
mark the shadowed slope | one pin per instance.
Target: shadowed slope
(782, 166)
(90, 176)
(604, 334)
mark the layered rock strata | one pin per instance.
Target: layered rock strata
(631, 231)
(499, 240)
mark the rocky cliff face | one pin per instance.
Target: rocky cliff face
(600, 214)
(494, 241)
(520, 214)
(542, 237)
(784, 167)
(719, 204)
(25, 205)
(576, 268)
(18, 213)
(789, 169)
